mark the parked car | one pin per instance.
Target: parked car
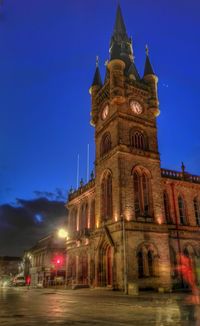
(19, 281)
(5, 281)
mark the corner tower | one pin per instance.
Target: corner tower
(124, 112)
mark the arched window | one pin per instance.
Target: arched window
(141, 185)
(182, 212)
(166, 207)
(106, 200)
(173, 261)
(92, 215)
(137, 200)
(105, 144)
(147, 262)
(140, 264)
(145, 192)
(138, 140)
(73, 220)
(84, 217)
(150, 263)
(197, 210)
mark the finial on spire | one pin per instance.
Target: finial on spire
(147, 50)
(183, 167)
(97, 61)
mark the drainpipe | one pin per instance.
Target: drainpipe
(125, 261)
(177, 228)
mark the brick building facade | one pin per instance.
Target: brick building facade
(130, 221)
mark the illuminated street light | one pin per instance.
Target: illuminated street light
(62, 233)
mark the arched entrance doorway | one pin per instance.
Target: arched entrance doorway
(105, 272)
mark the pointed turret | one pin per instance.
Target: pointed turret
(148, 70)
(151, 79)
(97, 76)
(94, 89)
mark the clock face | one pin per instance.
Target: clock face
(105, 112)
(136, 107)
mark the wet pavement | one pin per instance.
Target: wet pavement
(22, 306)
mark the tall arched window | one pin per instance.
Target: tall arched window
(145, 192)
(142, 194)
(173, 261)
(73, 220)
(182, 211)
(197, 210)
(105, 144)
(106, 201)
(138, 140)
(166, 207)
(150, 263)
(147, 261)
(84, 217)
(137, 200)
(140, 264)
(92, 215)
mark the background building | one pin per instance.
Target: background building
(129, 223)
(45, 262)
(10, 265)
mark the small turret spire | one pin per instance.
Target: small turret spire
(97, 76)
(148, 70)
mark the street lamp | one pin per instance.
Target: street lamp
(62, 233)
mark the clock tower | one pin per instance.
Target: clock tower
(124, 112)
(130, 223)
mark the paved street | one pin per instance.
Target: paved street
(20, 306)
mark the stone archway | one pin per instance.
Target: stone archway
(105, 266)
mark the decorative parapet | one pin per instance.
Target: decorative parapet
(184, 176)
(81, 190)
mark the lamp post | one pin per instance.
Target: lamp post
(62, 233)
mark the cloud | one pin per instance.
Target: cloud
(59, 194)
(23, 224)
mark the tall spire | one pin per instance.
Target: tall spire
(120, 28)
(121, 44)
(148, 70)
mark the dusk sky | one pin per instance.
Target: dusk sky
(47, 61)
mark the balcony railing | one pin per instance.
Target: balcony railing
(81, 189)
(185, 176)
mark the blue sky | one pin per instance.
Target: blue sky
(47, 62)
